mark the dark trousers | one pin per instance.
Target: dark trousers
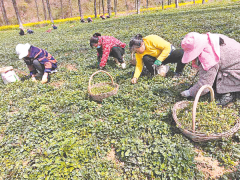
(174, 57)
(38, 66)
(116, 52)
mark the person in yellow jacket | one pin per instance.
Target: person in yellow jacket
(154, 52)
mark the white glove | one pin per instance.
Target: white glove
(44, 78)
(123, 65)
(33, 79)
(185, 93)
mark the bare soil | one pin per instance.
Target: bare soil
(210, 167)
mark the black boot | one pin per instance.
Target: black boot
(145, 71)
(225, 99)
(177, 74)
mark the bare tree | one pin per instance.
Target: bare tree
(138, 6)
(176, 3)
(115, 7)
(80, 9)
(17, 14)
(109, 7)
(126, 5)
(103, 7)
(203, 1)
(70, 5)
(169, 2)
(4, 12)
(162, 5)
(49, 11)
(95, 8)
(99, 7)
(61, 8)
(147, 4)
(44, 10)
(193, 1)
(37, 10)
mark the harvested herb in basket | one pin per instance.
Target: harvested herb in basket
(210, 118)
(102, 89)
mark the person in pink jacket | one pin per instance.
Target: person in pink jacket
(108, 46)
(217, 58)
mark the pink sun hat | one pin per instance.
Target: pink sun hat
(193, 45)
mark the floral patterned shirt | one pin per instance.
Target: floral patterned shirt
(107, 43)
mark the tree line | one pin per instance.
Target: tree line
(100, 3)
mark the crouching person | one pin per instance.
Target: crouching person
(154, 52)
(37, 60)
(108, 46)
(217, 58)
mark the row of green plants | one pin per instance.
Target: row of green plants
(56, 131)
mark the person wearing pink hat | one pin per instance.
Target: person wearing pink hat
(154, 53)
(217, 58)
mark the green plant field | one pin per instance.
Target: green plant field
(55, 131)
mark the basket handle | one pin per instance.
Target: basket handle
(89, 83)
(196, 102)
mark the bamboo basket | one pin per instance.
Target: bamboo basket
(198, 136)
(100, 97)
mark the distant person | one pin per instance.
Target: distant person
(108, 46)
(154, 52)
(217, 58)
(103, 17)
(49, 30)
(89, 19)
(21, 32)
(54, 27)
(37, 60)
(29, 31)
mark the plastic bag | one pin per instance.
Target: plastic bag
(8, 75)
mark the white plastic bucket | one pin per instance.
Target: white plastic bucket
(8, 75)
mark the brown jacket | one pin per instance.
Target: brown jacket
(226, 72)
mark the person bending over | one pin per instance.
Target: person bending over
(108, 46)
(154, 52)
(217, 58)
(37, 60)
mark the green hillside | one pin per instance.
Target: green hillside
(55, 130)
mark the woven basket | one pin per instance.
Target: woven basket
(198, 136)
(100, 97)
